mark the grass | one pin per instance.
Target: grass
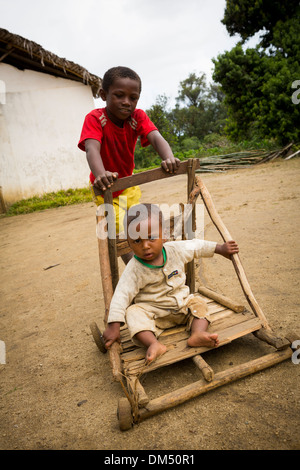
(50, 201)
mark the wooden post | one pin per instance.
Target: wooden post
(270, 338)
(107, 287)
(137, 390)
(112, 242)
(115, 361)
(190, 276)
(104, 262)
(206, 370)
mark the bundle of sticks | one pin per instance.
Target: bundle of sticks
(243, 159)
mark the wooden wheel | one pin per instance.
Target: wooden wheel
(124, 414)
(98, 338)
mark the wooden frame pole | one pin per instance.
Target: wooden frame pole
(107, 287)
(112, 241)
(217, 221)
(190, 274)
(200, 387)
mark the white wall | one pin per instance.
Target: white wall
(41, 117)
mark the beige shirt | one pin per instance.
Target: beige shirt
(162, 287)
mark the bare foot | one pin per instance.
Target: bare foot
(155, 350)
(203, 338)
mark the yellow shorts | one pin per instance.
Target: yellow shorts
(121, 204)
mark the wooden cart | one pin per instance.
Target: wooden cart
(229, 320)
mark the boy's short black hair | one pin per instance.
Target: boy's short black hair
(142, 212)
(119, 72)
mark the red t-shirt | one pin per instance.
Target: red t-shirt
(117, 144)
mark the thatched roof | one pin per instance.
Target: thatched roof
(24, 54)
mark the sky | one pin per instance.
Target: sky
(162, 40)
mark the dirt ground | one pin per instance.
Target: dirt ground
(57, 390)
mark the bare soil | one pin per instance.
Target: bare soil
(57, 390)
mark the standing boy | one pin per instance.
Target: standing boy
(109, 137)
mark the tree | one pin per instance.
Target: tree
(247, 17)
(159, 115)
(257, 83)
(199, 109)
(193, 91)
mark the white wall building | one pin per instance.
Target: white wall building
(43, 102)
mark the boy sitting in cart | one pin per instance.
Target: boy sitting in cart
(151, 294)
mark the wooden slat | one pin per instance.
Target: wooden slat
(147, 177)
(172, 336)
(182, 351)
(207, 300)
(221, 319)
(226, 318)
(214, 307)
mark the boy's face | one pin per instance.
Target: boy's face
(148, 249)
(121, 99)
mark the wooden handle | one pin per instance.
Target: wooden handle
(147, 177)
